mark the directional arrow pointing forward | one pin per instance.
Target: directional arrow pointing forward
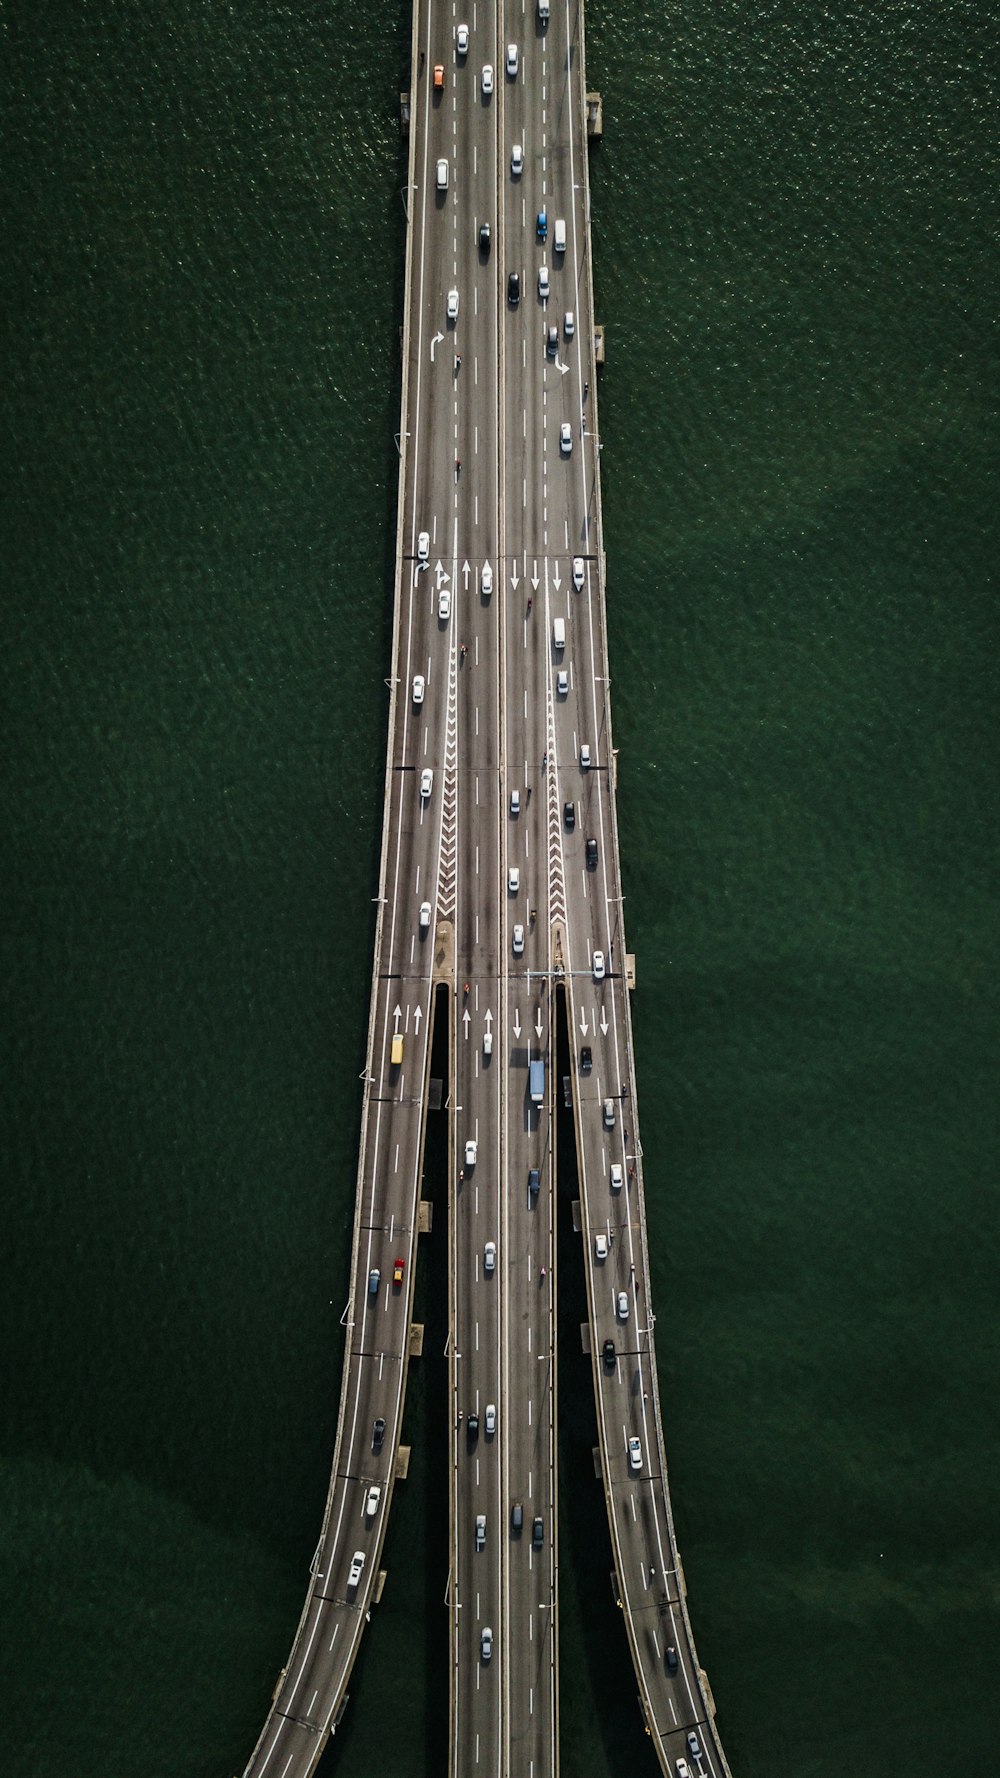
(517, 1024)
(535, 576)
(418, 1015)
(489, 1018)
(583, 1023)
(538, 1025)
(604, 1023)
(397, 1014)
(466, 570)
(467, 1021)
(442, 573)
(514, 580)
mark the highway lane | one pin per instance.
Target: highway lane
(491, 710)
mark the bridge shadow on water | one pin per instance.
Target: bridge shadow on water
(601, 1724)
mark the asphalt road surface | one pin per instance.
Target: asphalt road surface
(499, 880)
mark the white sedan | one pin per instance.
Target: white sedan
(462, 40)
(566, 438)
(471, 1151)
(513, 879)
(490, 1256)
(444, 604)
(423, 547)
(518, 940)
(491, 1418)
(578, 573)
(372, 1499)
(599, 966)
(634, 1455)
(486, 580)
(543, 282)
(487, 81)
(426, 783)
(600, 1246)
(453, 305)
(517, 160)
(512, 59)
(418, 688)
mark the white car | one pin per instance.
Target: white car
(515, 802)
(578, 573)
(426, 783)
(566, 438)
(425, 915)
(480, 1531)
(354, 1574)
(569, 324)
(543, 281)
(471, 1151)
(517, 160)
(487, 80)
(491, 1419)
(444, 604)
(609, 1114)
(462, 40)
(681, 1768)
(634, 1455)
(600, 1246)
(622, 1308)
(562, 685)
(442, 175)
(616, 1174)
(372, 1499)
(490, 1257)
(488, 1043)
(518, 940)
(486, 1643)
(513, 879)
(453, 305)
(694, 1745)
(598, 966)
(418, 688)
(486, 580)
(512, 60)
(584, 756)
(423, 547)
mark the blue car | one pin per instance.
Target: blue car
(542, 226)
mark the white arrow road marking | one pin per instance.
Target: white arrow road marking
(517, 1024)
(418, 1015)
(514, 578)
(436, 341)
(604, 1023)
(466, 570)
(466, 1020)
(538, 1025)
(583, 1023)
(397, 1014)
(441, 572)
(489, 1018)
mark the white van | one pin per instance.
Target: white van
(442, 175)
(559, 632)
(559, 238)
(543, 11)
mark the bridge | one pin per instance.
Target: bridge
(500, 943)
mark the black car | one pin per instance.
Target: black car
(591, 854)
(514, 288)
(484, 238)
(609, 1353)
(586, 1056)
(671, 1659)
(533, 1181)
(569, 815)
(472, 1427)
(378, 1434)
(537, 1534)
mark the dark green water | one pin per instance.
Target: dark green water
(795, 228)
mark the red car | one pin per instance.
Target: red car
(397, 1270)
(439, 77)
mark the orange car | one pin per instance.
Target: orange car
(438, 77)
(397, 1271)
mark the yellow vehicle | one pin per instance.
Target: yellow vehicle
(396, 1055)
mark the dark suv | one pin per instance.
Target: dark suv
(484, 238)
(514, 288)
(591, 854)
(586, 1056)
(609, 1353)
